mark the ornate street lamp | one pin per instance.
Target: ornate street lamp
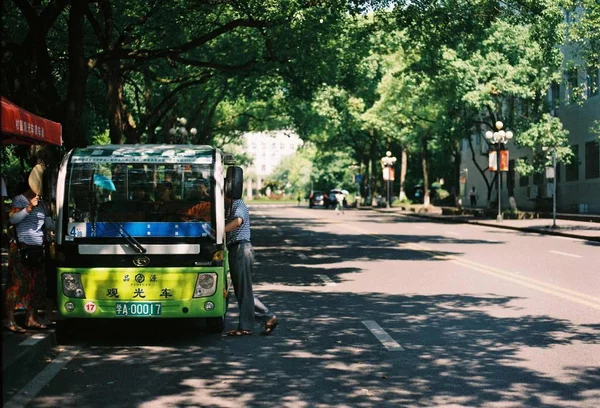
(387, 163)
(499, 139)
(179, 133)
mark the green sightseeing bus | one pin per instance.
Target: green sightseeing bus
(140, 233)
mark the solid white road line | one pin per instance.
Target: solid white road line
(33, 339)
(287, 241)
(326, 279)
(29, 392)
(564, 238)
(382, 336)
(565, 254)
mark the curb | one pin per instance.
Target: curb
(542, 230)
(14, 367)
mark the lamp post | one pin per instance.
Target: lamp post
(387, 163)
(499, 138)
(180, 133)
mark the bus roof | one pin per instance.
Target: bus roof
(144, 153)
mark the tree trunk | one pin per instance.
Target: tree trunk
(403, 167)
(371, 168)
(456, 181)
(425, 167)
(73, 134)
(114, 89)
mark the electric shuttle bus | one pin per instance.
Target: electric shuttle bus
(140, 233)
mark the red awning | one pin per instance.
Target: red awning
(22, 127)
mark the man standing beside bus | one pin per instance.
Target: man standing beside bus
(241, 264)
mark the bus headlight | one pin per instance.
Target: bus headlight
(72, 286)
(206, 285)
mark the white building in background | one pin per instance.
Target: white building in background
(267, 149)
(578, 184)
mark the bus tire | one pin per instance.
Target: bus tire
(64, 332)
(215, 324)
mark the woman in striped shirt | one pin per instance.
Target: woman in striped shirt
(26, 284)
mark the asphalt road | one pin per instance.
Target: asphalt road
(377, 310)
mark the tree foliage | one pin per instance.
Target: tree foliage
(352, 77)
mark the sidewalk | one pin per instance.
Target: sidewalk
(567, 225)
(19, 351)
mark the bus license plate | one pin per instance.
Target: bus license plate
(137, 309)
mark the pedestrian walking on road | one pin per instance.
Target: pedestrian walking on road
(339, 203)
(241, 264)
(473, 197)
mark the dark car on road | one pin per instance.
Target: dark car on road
(317, 199)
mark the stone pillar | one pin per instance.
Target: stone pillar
(249, 188)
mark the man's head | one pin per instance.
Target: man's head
(164, 190)
(138, 193)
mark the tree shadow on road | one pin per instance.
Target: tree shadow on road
(457, 349)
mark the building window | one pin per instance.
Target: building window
(592, 81)
(292, 146)
(592, 160)
(263, 167)
(254, 146)
(572, 169)
(557, 175)
(274, 145)
(572, 82)
(555, 101)
(282, 146)
(524, 180)
(537, 178)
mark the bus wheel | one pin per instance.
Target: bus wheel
(215, 324)
(64, 332)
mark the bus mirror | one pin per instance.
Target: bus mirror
(234, 182)
(228, 159)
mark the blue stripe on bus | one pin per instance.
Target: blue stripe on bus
(149, 229)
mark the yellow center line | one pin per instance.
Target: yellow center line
(575, 296)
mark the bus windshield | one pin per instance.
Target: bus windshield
(144, 200)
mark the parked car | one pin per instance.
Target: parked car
(317, 199)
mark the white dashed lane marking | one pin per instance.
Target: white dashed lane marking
(382, 336)
(565, 254)
(302, 256)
